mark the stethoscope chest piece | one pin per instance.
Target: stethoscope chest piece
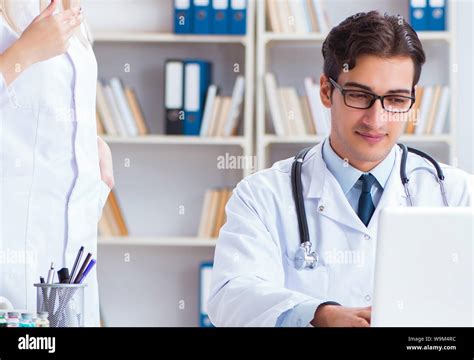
(304, 258)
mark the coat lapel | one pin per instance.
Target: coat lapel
(332, 201)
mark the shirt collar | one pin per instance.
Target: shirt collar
(347, 175)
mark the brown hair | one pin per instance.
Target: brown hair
(370, 33)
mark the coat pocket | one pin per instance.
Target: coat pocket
(313, 282)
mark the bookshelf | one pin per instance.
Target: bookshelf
(280, 52)
(161, 179)
(157, 241)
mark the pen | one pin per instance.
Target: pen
(51, 274)
(76, 264)
(83, 267)
(89, 267)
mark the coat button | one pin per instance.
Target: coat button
(367, 297)
(321, 208)
(367, 237)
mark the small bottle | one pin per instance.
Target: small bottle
(42, 320)
(26, 320)
(3, 319)
(13, 320)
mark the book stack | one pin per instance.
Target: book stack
(213, 212)
(296, 115)
(210, 17)
(430, 111)
(297, 16)
(112, 222)
(192, 103)
(118, 110)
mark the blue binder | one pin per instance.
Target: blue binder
(202, 16)
(205, 273)
(183, 17)
(437, 15)
(197, 78)
(419, 14)
(238, 13)
(220, 17)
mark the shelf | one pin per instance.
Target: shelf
(156, 241)
(155, 37)
(308, 139)
(175, 140)
(269, 37)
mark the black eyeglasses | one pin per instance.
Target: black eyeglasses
(358, 99)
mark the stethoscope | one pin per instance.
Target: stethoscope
(304, 258)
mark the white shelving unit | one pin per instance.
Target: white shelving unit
(296, 55)
(161, 179)
(157, 241)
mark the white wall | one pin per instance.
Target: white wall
(465, 118)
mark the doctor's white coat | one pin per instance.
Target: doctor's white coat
(51, 192)
(254, 279)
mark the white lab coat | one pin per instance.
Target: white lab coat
(254, 279)
(51, 192)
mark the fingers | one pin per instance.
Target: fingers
(67, 15)
(360, 322)
(364, 314)
(48, 11)
(73, 23)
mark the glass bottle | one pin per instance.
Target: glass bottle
(42, 320)
(13, 320)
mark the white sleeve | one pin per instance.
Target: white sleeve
(248, 278)
(7, 38)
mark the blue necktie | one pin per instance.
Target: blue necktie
(366, 205)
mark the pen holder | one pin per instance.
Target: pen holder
(63, 302)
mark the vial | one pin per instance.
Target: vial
(13, 320)
(42, 320)
(26, 320)
(3, 319)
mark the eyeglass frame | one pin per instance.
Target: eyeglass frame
(375, 97)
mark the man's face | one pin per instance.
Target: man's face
(365, 137)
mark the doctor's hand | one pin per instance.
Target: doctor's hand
(47, 36)
(105, 163)
(340, 316)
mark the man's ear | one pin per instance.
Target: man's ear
(325, 91)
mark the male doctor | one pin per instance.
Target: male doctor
(372, 63)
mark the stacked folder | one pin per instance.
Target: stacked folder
(306, 16)
(428, 15)
(430, 111)
(118, 110)
(213, 212)
(210, 17)
(112, 222)
(296, 115)
(205, 278)
(193, 105)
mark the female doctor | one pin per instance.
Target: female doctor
(55, 172)
(371, 67)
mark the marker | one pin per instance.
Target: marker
(76, 264)
(89, 267)
(63, 276)
(83, 267)
(51, 274)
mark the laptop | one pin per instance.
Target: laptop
(424, 268)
